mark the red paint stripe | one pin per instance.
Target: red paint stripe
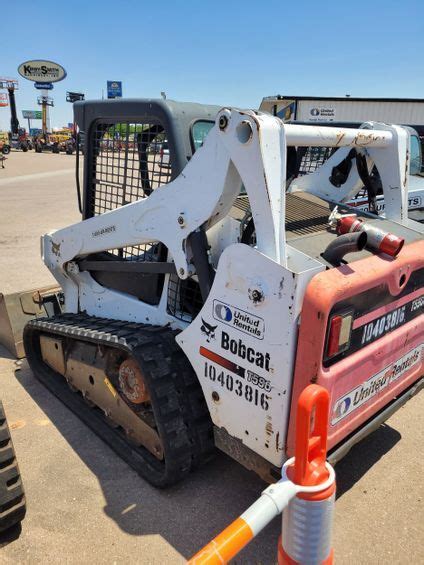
(366, 318)
(226, 363)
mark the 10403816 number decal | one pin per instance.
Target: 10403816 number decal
(378, 327)
(237, 386)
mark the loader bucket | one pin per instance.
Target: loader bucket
(18, 308)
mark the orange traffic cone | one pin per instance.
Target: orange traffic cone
(307, 520)
(306, 490)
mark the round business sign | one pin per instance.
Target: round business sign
(42, 71)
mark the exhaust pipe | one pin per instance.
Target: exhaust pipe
(378, 240)
(344, 244)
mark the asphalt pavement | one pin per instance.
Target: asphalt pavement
(85, 505)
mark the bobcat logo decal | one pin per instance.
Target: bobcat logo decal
(208, 330)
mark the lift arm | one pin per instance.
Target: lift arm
(242, 148)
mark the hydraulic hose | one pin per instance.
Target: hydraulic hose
(346, 243)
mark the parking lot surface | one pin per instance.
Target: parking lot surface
(85, 505)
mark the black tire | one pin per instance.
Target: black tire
(55, 149)
(6, 149)
(12, 496)
(24, 147)
(38, 148)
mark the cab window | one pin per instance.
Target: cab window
(415, 165)
(199, 131)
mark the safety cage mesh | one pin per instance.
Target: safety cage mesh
(313, 158)
(130, 160)
(184, 298)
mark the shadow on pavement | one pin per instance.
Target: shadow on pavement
(4, 353)
(363, 456)
(186, 515)
(191, 513)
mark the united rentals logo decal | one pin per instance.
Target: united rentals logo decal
(345, 405)
(238, 319)
(323, 112)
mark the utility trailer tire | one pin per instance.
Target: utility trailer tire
(12, 496)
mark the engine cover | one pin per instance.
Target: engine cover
(242, 346)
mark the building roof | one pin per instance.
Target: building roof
(342, 98)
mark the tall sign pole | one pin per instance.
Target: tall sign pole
(45, 101)
(45, 110)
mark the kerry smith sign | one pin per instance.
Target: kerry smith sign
(42, 71)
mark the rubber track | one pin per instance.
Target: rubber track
(180, 410)
(12, 496)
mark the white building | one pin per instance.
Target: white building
(407, 111)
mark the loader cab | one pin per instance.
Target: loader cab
(131, 147)
(134, 146)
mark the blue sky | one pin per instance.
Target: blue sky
(232, 52)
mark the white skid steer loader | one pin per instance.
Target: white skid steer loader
(200, 299)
